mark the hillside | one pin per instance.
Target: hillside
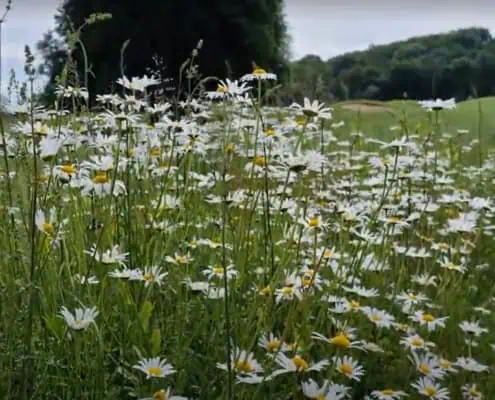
(458, 64)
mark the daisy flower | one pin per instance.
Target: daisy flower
(428, 364)
(416, 342)
(155, 367)
(471, 392)
(388, 394)
(380, 318)
(259, 74)
(288, 293)
(178, 259)
(82, 279)
(349, 367)
(438, 104)
(429, 320)
(327, 391)
(341, 340)
(430, 389)
(81, 319)
(44, 224)
(470, 364)
(245, 366)
(137, 84)
(228, 88)
(296, 364)
(313, 109)
(150, 275)
(472, 328)
(410, 299)
(218, 272)
(111, 256)
(164, 395)
(272, 344)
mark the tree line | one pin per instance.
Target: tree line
(236, 34)
(458, 64)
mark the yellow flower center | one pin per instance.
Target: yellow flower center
(473, 392)
(43, 179)
(376, 318)
(307, 280)
(328, 253)
(428, 318)
(48, 228)
(431, 391)
(355, 304)
(445, 364)
(301, 120)
(148, 277)
(160, 395)
(300, 363)
(222, 89)
(260, 161)
(288, 291)
(259, 71)
(346, 369)
(266, 291)
(270, 132)
(68, 169)
(417, 342)
(341, 341)
(424, 368)
(314, 222)
(403, 327)
(181, 259)
(218, 270)
(154, 371)
(244, 366)
(155, 152)
(273, 345)
(101, 178)
(412, 296)
(450, 265)
(130, 153)
(451, 212)
(229, 148)
(393, 220)
(388, 392)
(443, 246)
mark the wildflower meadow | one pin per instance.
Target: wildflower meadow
(218, 245)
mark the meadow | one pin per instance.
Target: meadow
(224, 248)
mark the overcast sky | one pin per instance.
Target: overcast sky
(322, 27)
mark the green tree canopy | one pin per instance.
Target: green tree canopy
(457, 64)
(235, 34)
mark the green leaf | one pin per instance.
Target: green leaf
(145, 315)
(156, 342)
(56, 326)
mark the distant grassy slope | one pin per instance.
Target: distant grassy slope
(378, 124)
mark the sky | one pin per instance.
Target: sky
(322, 27)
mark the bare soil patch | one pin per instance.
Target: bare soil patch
(366, 107)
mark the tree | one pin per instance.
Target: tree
(454, 64)
(235, 34)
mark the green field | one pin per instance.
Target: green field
(377, 123)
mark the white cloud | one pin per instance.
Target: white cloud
(328, 28)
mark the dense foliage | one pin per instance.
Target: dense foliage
(457, 64)
(235, 34)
